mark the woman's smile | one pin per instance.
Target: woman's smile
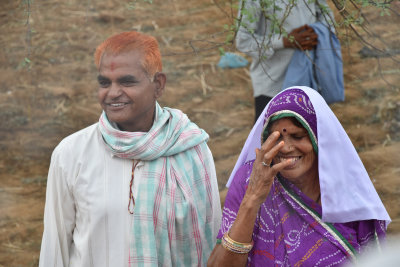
(297, 148)
(295, 160)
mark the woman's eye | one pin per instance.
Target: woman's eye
(298, 137)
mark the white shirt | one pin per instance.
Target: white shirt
(86, 221)
(270, 59)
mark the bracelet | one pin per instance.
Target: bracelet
(234, 246)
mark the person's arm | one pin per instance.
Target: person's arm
(325, 14)
(241, 231)
(59, 215)
(248, 39)
(259, 186)
(303, 38)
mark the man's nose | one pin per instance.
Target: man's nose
(114, 91)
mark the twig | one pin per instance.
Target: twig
(28, 36)
(381, 73)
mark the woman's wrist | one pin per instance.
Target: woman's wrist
(251, 203)
(256, 194)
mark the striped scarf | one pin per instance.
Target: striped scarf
(172, 218)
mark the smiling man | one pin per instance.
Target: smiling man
(139, 187)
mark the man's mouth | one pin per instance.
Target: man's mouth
(116, 105)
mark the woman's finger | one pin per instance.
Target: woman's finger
(270, 142)
(262, 174)
(281, 165)
(273, 152)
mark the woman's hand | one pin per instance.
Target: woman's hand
(261, 179)
(262, 176)
(303, 38)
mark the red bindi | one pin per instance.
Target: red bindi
(284, 130)
(112, 66)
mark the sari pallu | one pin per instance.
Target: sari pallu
(287, 234)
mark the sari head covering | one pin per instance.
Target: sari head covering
(294, 103)
(347, 193)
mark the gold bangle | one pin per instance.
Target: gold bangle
(234, 246)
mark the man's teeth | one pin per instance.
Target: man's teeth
(116, 104)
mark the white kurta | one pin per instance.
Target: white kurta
(255, 37)
(86, 221)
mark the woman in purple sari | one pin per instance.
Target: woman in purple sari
(303, 197)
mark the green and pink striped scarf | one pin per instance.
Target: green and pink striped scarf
(172, 219)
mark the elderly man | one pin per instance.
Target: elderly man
(139, 187)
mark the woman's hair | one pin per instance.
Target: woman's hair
(128, 41)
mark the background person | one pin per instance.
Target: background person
(261, 36)
(303, 197)
(139, 187)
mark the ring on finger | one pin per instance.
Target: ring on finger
(265, 164)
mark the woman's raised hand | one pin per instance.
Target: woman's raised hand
(264, 171)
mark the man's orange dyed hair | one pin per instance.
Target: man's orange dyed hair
(128, 41)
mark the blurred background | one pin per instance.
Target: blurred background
(48, 91)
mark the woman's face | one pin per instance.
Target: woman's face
(297, 146)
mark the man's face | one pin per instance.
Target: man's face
(126, 93)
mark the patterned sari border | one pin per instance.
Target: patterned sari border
(328, 226)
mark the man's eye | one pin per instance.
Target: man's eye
(127, 83)
(104, 84)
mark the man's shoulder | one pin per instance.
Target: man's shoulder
(83, 133)
(80, 138)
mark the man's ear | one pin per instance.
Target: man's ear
(159, 80)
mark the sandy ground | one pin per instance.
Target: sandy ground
(54, 94)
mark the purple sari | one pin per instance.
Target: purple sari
(289, 231)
